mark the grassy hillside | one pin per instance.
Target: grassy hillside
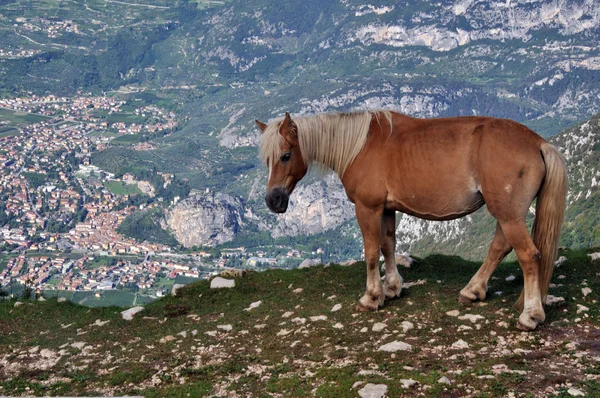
(205, 343)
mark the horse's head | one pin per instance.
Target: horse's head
(280, 150)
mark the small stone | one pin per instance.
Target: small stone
(553, 301)
(61, 299)
(287, 314)
(100, 323)
(575, 392)
(406, 326)
(308, 263)
(462, 328)
(79, 345)
(219, 283)
(582, 308)
(585, 291)
(407, 383)
(182, 334)
(318, 318)
(253, 305)
(299, 321)
(453, 313)
(18, 303)
(331, 297)
(559, 261)
(211, 333)
(128, 314)
(471, 317)
(594, 256)
(373, 391)
(41, 298)
(336, 307)
(510, 278)
(226, 328)
(166, 339)
(284, 332)
(405, 260)
(261, 326)
(395, 346)
(338, 326)
(364, 330)
(378, 327)
(175, 288)
(298, 290)
(194, 332)
(357, 384)
(460, 344)
(444, 380)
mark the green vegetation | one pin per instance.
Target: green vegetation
(127, 139)
(145, 226)
(15, 118)
(36, 179)
(289, 358)
(120, 188)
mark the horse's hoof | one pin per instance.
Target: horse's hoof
(528, 322)
(465, 300)
(392, 292)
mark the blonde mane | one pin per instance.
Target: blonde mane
(331, 140)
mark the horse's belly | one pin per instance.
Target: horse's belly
(436, 206)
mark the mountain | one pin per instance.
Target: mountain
(220, 65)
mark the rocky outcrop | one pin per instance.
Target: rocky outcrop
(206, 219)
(315, 208)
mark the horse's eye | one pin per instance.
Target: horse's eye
(286, 156)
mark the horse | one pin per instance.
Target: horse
(435, 169)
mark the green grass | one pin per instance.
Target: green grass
(120, 188)
(16, 118)
(128, 139)
(314, 359)
(127, 118)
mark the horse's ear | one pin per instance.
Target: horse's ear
(288, 129)
(261, 126)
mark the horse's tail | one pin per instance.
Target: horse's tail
(549, 215)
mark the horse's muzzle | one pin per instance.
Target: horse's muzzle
(277, 200)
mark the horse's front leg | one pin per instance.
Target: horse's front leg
(369, 220)
(393, 281)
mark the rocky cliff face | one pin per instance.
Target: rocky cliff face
(206, 219)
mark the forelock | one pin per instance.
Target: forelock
(271, 142)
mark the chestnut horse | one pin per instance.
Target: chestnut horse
(436, 169)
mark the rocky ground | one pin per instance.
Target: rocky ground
(296, 333)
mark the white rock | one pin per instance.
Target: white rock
(338, 326)
(406, 326)
(575, 392)
(176, 288)
(284, 332)
(299, 321)
(364, 330)
(298, 290)
(462, 328)
(227, 328)
(211, 333)
(406, 285)
(594, 256)
(444, 380)
(582, 308)
(378, 326)
(373, 391)
(61, 299)
(166, 339)
(261, 326)
(407, 383)
(18, 303)
(41, 298)
(460, 344)
(470, 317)
(336, 307)
(253, 305)
(318, 318)
(194, 332)
(395, 346)
(510, 278)
(554, 300)
(559, 261)
(182, 334)
(218, 283)
(287, 314)
(585, 291)
(357, 384)
(100, 323)
(453, 313)
(79, 345)
(128, 314)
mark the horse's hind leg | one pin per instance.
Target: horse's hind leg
(393, 281)
(477, 286)
(529, 259)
